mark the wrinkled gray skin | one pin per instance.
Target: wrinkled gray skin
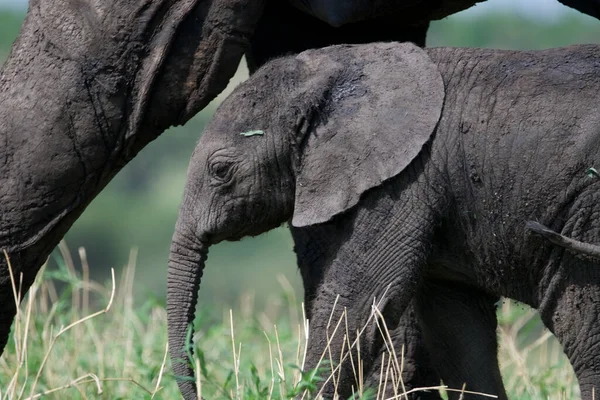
(89, 83)
(411, 174)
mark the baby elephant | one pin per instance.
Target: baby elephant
(408, 177)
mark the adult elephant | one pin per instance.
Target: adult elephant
(88, 84)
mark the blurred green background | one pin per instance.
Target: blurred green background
(139, 207)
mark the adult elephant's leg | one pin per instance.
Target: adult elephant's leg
(283, 29)
(459, 328)
(408, 350)
(85, 88)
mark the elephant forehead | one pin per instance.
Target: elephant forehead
(245, 114)
(354, 57)
(237, 125)
(234, 132)
(250, 104)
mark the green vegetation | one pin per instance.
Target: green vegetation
(10, 24)
(57, 349)
(503, 31)
(63, 348)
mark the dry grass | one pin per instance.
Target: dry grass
(43, 357)
(61, 348)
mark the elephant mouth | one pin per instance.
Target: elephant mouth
(251, 229)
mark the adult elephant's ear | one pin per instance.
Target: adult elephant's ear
(373, 117)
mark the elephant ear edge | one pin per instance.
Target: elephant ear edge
(381, 111)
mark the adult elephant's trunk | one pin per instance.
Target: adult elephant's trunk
(186, 263)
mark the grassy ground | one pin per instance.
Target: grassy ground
(91, 342)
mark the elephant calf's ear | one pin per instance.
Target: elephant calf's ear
(377, 118)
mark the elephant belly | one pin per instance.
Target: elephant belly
(450, 261)
(475, 253)
(337, 13)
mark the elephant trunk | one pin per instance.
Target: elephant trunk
(186, 263)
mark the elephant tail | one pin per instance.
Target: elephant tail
(572, 245)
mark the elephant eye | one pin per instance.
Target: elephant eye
(221, 170)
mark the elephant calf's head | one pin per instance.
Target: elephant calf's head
(302, 139)
(240, 178)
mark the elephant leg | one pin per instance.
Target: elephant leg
(417, 368)
(459, 329)
(568, 291)
(374, 272)
(341, 319)
(314, 248)
(283, 29)
(351, 286)
(570, 308)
